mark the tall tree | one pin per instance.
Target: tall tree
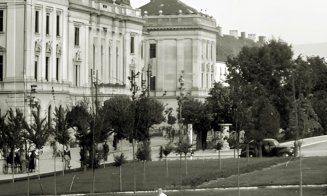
(148, 112)
(61, 126)
(196, 113)
(3, 128)
(80, 119)
(38, 132)
(319, 104)
(220, 105)
(14, 133)
(119, 115)
(261, 71)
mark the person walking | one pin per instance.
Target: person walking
(31, 163)
(105, 151)
(67, 157)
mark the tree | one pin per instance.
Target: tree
(38, 132)
(167, 149)
(196, 113)
(220, 105)
(80, 119)
(119, 160)
(61, 126)
(262, 71)
(266, 120)
(143, 154)
(148, 112)
(303, 119)
(3, 128)
(319, 104)
(14, 132)
(184, 147)
(119, 115)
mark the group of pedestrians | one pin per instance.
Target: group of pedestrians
(19, 161)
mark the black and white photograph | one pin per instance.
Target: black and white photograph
(163, 97)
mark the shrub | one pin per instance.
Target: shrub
(143, 152)
(119, 160)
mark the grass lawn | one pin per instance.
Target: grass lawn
(259, 192)
(107, 179)
(314, 171)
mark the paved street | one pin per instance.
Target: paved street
(311, 147)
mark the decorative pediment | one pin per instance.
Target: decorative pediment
(77, 57)
(58, 48)
(49, 47)
(38, 46)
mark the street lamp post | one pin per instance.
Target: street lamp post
(180, 103)
(31, 104)
(55, 153)
(134, 88)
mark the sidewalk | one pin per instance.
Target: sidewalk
(47, 161)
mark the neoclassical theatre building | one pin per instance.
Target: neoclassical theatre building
(54, 50)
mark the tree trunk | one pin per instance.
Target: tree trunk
(186, 165)
(167, 172)
(219, 160)
(144, 174)
(63, 160)
(13, 165)
(198, 140)
(247, 152)
(38, 164)
(120, 180)
(260, 149)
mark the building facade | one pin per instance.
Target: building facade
(180, 41)
(61, 48)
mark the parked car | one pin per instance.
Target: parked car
(270, 147)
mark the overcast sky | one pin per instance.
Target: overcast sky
(294, 21)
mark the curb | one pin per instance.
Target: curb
(209, 189)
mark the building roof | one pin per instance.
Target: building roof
(229, 46)
(168, 7)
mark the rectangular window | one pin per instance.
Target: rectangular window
(153, 52)
(102, 56)
(1, 20)
(47, 68)
(57, 69)
(211, 53)
(142, 50)
(76, 75)
(37, 21)
(117, 61)
(109, 63)
(202, 79)
(76, 36)
(35, 70)
(1, 68)
(132, 45)
(47, 26)
(152, 83)
(58, 25)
